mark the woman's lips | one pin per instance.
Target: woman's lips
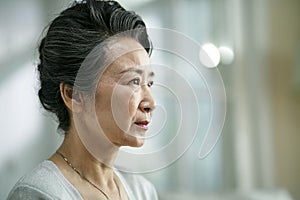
(142, 124)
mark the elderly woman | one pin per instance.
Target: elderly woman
(95, 77)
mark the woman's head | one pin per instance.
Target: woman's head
(69, 40)
(122, 102)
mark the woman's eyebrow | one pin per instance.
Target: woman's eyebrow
(138, 71)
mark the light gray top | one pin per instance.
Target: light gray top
(47, 182)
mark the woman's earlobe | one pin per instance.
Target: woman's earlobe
(72, 98)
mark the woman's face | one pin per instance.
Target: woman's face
(123, 100)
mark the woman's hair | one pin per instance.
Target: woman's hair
(71, 37)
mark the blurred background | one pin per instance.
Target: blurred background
(257, 156)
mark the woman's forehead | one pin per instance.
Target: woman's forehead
(124, 53)
(134, 59)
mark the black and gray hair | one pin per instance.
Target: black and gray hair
(71, 37)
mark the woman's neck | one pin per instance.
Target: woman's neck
(98, 172)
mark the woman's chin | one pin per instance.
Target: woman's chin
(136, 142)
(140, 142)
(130, 141)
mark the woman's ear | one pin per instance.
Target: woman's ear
(72, 98)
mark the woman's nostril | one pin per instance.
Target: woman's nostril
(147, 109)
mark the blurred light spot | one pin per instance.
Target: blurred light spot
(227, 55)
(209, 55)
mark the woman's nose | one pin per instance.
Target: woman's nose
(147, 104)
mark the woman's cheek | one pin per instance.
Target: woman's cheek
(121, 104)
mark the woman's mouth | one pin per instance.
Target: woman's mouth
(142, 124)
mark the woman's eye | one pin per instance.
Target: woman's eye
(150, 84)
(135, 81)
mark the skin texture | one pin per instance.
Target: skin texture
(123, 97)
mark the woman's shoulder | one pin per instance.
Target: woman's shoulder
(137, 186)
(44, 182)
